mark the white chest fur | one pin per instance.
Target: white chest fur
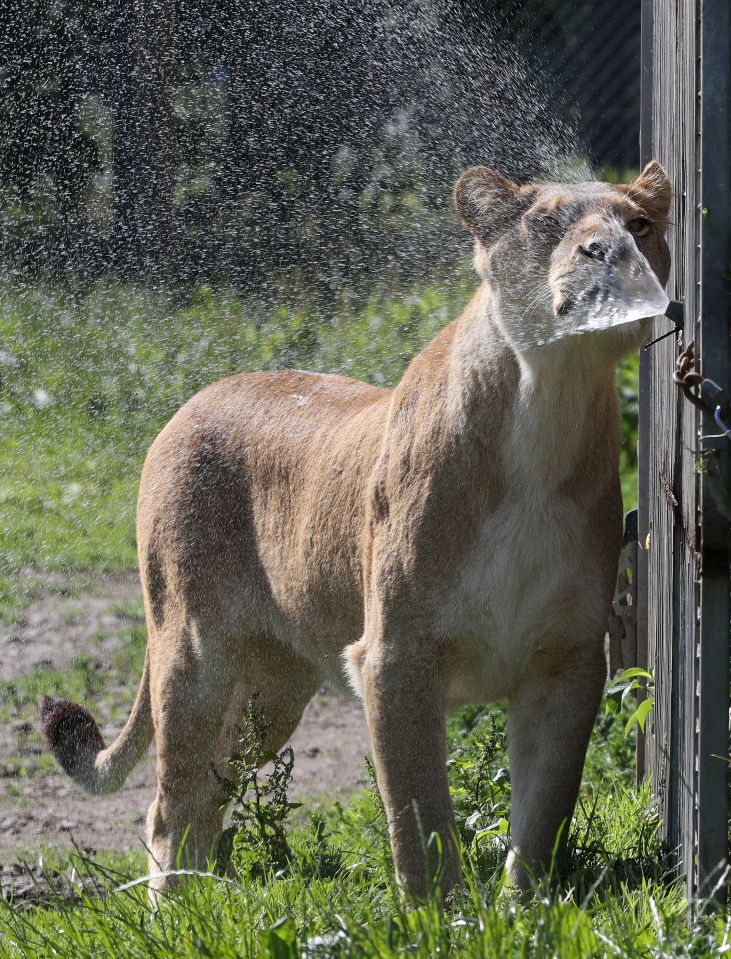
(528, 580)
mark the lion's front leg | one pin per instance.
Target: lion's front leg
(550, 718)
(404, 704)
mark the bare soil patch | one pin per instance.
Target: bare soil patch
(40, 807)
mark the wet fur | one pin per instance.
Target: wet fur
(452, 540)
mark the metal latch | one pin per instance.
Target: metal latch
(676, 313)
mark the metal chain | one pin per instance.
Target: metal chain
(701, 391)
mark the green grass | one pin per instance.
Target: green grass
(87, 381)
(335, 896)
(113, 365)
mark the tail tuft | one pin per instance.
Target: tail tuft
(74, 739)
(72, 735)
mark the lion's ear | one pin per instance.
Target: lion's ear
(487, 202)
(652, 191)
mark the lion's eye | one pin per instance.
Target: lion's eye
(639, 227)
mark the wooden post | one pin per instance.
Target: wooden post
(685, 477)
(643, 452)
(715, 481)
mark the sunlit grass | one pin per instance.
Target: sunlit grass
(87, 381)
(335, 895)
(112, 366)
(354, 910)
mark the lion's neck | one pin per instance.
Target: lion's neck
(545, 407)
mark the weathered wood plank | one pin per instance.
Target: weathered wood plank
(715, 481)
(685, 498)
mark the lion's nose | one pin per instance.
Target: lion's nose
(604, 248)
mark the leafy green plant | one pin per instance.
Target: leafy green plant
(632, 681)
(480, 782)
(257, 837)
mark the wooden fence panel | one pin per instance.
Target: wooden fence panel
(683, 581)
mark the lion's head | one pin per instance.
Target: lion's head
(557, 253)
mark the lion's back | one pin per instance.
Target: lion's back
(256, 489)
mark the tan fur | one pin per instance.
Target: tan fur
(452, 540)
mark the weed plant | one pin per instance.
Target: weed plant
(260, 806)
(325, 888)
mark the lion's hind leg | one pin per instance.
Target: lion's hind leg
(199, 718)
(193, 677)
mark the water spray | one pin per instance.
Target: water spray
(622, 292)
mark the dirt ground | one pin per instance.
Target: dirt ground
(41, 808)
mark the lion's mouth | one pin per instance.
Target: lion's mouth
(564, 307)
(618, 295)
(591, 299)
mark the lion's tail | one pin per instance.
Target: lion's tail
(74, 739)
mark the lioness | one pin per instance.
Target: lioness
(450, 541)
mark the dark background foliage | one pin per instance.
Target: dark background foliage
(241, 141)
